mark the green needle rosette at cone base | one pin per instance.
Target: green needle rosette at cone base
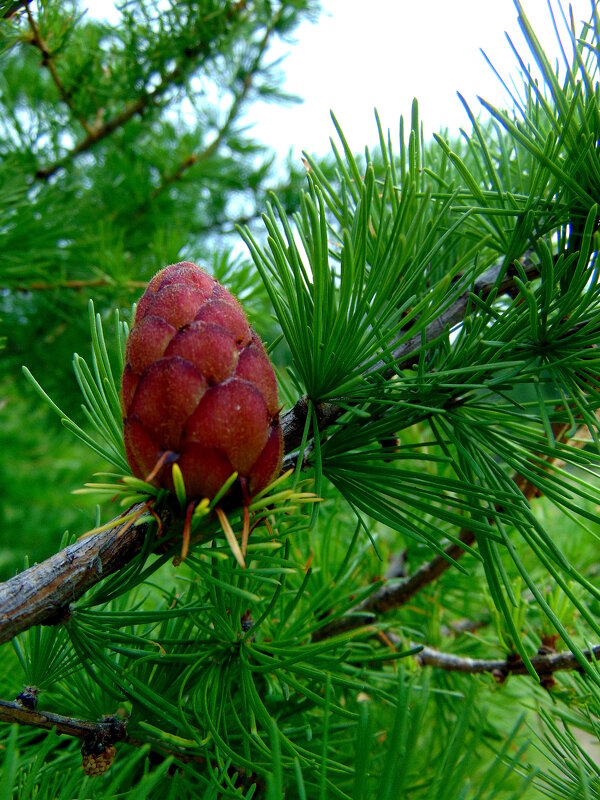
(198, 386)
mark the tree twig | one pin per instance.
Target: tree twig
(395, 595)
(41, 594)
(110, 729)
(101, 132)
(544, 664)
(238, 99)
(13, 711)
(187, 163)
(139, 106)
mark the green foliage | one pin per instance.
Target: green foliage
(436, 305)
(574, 770)
(100, 389)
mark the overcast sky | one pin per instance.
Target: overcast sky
(363, 54)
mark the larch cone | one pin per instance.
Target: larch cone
(199, 385)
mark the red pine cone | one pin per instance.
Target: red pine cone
(198, 382)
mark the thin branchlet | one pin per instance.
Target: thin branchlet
(545, 664)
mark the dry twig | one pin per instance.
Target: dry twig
(544, 664)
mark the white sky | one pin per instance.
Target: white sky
(366, 54)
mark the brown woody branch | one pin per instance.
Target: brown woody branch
(14, 711)
(544, 664)
(41, 594)
(109, 730)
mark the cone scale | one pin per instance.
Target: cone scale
(198, 388)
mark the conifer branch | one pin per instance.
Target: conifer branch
(396, 595)
(140, 106)
(393, 596)
(113, 729)
(406, 355)
(238, 99)
(42, 593)
(48, 62)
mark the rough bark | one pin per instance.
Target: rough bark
(41, 594)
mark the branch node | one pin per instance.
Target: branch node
(58, 617)
(28, 698)
(499, 675)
